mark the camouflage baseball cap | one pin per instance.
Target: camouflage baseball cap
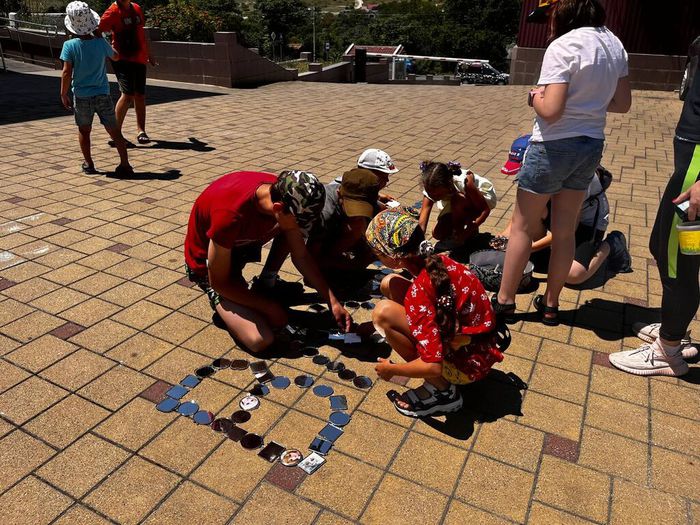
(303, 195)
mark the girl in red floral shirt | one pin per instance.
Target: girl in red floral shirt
(441, 323)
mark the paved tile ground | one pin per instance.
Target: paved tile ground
(96, 323)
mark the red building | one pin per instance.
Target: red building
(655, 34)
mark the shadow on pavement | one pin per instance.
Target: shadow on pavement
(486, 401)
(149, 175)
(27, 97)
(191, 144)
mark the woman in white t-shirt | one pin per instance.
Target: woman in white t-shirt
(583, 76)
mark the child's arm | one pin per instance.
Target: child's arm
(477, 198)
(544, 242)
(416, 368)
(424, 217)
(66, 76)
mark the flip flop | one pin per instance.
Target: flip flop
(87, 169)
(142, 138)
(124, 171)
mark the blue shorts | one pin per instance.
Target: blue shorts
(85, 108)
(554, 165)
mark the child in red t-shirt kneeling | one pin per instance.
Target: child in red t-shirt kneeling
(441, 322)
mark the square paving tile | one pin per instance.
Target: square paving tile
(31, 326)
(615, 454)
(79, 515)
(388, 505)
(331, 486)
(271, 503)
(32, 502)
(371, 439)
(216, 472)
(543, 515)
(20, 454)
(134, 424)
(617, 416)
(285, 478)
(572, 487)
(552, 415)
(176, 328)
(141, 315)
(41, 353)
(673, 472)
(90, 312)
(29, 398)
(103, 336)
(559, 383)
(67, 420)
(77, 369)
(192, 504)
(460, 513)
(638, 504)
(132, 492)
(182, 446)
(10, 375)
(82, 465)
(179, 363)
(675, 433)
(495, 487)
(116, 387)
(511, 443)
(139, 351)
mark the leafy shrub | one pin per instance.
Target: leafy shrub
(185, 22)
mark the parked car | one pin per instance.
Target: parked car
(480, 73)
(691, 65)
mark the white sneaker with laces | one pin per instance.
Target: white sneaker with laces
(650, 333)
(649, 360)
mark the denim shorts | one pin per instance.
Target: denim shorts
(554, 165)
(86, 107)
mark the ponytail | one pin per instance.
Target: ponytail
(438, 174)
(445, 305)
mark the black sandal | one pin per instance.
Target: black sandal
(504, 312)
(87, 169)
(143, 138)
(549, 315)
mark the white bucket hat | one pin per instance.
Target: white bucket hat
(80, 19)
(376, 159)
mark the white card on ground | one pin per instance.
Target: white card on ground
(312, 463)
(351, 338)
(393, 204)
(336, 336)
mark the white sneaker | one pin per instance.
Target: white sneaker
(650, 333)
(649, 360)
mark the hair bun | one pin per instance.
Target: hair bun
(426, 249)
(454, 167)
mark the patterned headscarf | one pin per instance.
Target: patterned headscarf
(391, 230)
(303, 195)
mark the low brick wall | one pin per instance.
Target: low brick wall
(651, 72)
(340, 72)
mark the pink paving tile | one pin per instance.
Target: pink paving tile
(148, 200)
(185, 281)
(100, 183)
(560, 447)
(5, 284)
(14, 200)
(67, 330)
(61, 221)
(286, 478)
(637, 302)
(400, 380)
(651, 262)
(119, 247)
(601, 359)
(156, 392)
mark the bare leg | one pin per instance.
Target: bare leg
(120, 144)
(390, 317)
(526, 221)
(580, 274)
(140, 108)
(565, 209)
(248, 326)
(121, 108)
(394, 287)
(84, 140)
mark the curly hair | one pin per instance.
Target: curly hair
(436, 175)
(445, 304)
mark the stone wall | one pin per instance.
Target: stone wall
(652, 72)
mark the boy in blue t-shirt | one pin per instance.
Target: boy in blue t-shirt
(84, 61)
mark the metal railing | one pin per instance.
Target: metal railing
(14, 27)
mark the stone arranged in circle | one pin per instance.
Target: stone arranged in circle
(239, 364)
(249, 403)
(352, 304)
(310, 351)
(323, 391)
(303, 381)
(339, 419)
(368, 305)
(205, 371)
(260, 390)
(190, 381)
(321, 359)
(347, 375)
(280, 382)
(235, 433)
(221, 363)
(251, 441)
(203, 417)
(362, 382)
(188, 408)
(240, 416)
(335, 366)
(167, 405)
(222, 425)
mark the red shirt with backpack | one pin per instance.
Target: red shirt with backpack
(127, 28)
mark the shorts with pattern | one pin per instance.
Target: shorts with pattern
(84, 109)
